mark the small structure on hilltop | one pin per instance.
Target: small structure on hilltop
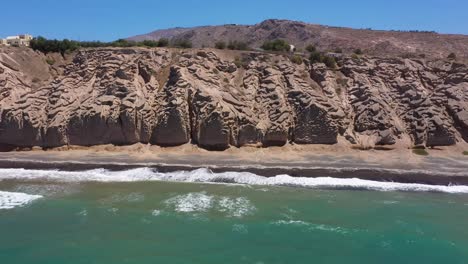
(292, 48)
(20, 40)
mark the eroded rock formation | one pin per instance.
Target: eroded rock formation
(217, 99)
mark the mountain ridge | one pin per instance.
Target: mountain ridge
(326, 38)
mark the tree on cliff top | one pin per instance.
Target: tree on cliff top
(276, 45)
(44, 45)
(452, 56)
(237, 45)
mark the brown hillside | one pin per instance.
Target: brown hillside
(375, 42)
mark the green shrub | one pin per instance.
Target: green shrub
(63, 46)
(202, 54)
(181, 43)
(408, 55)
(93, 44)
(163, 42)
(315, 57)
(452, 56)
(329, 61)
(220, 45)
(296, 59)
(465, 153)
(276, 45)
(420, 151)
(338, 50)
(355, 56)
(358, 51)
(311, 48)
(123, 43)
(44, 45)
(318, 57)
(237, 45)
(149, 43)
(154, 43)
(50, 61)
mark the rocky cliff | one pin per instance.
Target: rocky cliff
(217, 99)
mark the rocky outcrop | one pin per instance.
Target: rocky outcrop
(218, 99)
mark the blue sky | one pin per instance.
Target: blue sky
(112, 19)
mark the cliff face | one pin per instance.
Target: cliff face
(217, 99)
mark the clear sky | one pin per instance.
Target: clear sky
(108, 20)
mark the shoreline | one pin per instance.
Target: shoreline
(389, 166)
(381, 175)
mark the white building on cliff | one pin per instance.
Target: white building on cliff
(20, 40)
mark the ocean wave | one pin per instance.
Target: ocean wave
(191, 202)
(311, 226)
(156, 212)
(201, 202)
(206, 176)
(10, 200)
(240, 228)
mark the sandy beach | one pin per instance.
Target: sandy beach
(443, 166)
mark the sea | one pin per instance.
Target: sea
(144, 216)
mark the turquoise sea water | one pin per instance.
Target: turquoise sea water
(76, 221)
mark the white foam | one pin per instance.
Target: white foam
(10, 200)
(311, 226)
(201, 202)
(206, 176)
(83, 212)
(113, 210)
(191, 202)
(236, 207)
(156, 212)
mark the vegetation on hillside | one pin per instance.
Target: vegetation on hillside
(238, 45)
(276, 45)
(232, 45)
(358, 52)
(420, 151)
(181, 43)
(220, 45)
(46, 46)
(311, 48)
(320, 57)
(297, 59)
(63, 46)
(452, 56)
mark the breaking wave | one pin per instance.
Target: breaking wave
(314, 227)
(10, 200)
(206, 176)
(201, 202)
